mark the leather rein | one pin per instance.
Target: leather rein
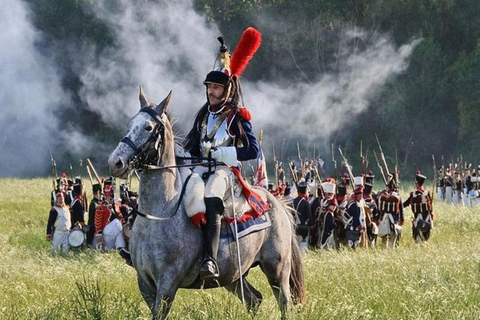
(140, 155)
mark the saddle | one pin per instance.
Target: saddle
(248, 203)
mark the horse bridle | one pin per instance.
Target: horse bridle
(140, 152)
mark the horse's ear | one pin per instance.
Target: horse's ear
(143, 99)
(162, 106)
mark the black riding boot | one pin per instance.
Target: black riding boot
(213, 213)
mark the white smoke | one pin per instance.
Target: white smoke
(162, 47)
(316, 110)
(30, 96)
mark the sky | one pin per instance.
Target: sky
(161, 47)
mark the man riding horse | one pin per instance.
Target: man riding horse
(221, 131)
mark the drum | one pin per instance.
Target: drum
(76, 238)
(473, 193)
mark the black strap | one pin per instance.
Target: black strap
(130, 143)
(153, 114)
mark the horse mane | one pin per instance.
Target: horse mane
(172, 141)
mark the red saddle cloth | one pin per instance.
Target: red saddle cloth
(254, 200)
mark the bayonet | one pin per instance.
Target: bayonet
(54, 170)
(380, 168)
(382, 155)
(90, 175)
(94, 172)
(348, 167)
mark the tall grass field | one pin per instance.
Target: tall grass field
(436, 280)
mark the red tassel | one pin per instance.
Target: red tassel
(244, 113)
(246, 48)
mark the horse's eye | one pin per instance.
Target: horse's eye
(149, 127)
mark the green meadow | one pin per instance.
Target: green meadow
(437, 280)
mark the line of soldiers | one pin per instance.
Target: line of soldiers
(350, 213)
(458, 186)
(105, 226)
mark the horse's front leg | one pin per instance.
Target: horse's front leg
(162, 306)
(163, 303)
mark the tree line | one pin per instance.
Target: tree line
(431, 108)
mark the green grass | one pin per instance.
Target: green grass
(437, 280)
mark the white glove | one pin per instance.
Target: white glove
(227, 155)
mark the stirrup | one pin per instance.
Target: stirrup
(209, 269)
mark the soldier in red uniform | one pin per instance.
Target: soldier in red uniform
(420, 201)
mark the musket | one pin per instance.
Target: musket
(319, 181)
(434, 180)
(334, 163)
(90, 175)
(294, 174)
(348, 167)
(382, 155)
(71, 171)
(275, 162)
(366, 160)
(54, 170)
(364, 169)
(80, 167)
(380, 167)
(94, 172)
(301, 161)
(395, 174)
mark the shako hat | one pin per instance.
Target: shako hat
(358, 181)
(341, 190)
(368, 189)
(369, 177)
(77, 188)
(96, 187)
(302, 187)
(328, 187)
(419, 177)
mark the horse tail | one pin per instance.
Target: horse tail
(297, 274)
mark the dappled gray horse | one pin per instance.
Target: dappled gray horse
(165, 246)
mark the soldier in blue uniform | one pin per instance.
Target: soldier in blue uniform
(355, 219)
(221, 131)
(327, 216)
(303, 215)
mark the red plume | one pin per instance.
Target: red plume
(246, 48)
